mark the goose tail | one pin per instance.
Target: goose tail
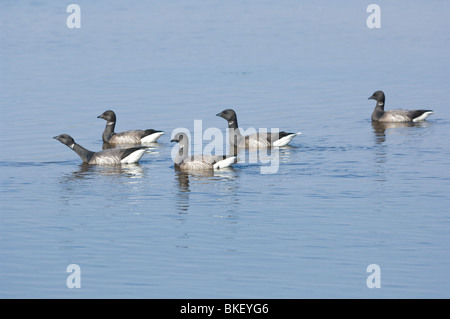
(286, 139)
(227, 162)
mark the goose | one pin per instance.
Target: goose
(397, 116)
(127, 137)
(257, 140)
(106, 157)
(184, 162)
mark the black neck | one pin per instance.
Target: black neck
(380, 105)
(85, 154)
(109, 131)
(233, 123)
(234, 138)
(378, 111)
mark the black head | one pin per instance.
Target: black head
(179, 137)
(109, 116)
(65, 139)
(378, 96)
(228, 114)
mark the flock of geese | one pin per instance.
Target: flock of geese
(116, 150)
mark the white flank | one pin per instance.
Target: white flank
(152, 137)
(285, 140)
(225, 163)
(422, 117)
(133, 157)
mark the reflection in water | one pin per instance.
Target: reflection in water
(123, 170)
(269, 160)
(381, 155)
(213, 179)
(77, 184)
(381, 129)
(286, 153)
(183, 194)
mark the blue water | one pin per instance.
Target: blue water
(347, 194)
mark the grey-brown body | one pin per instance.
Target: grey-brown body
(395, 116)
(184, 162)
(132, 137)
(106, 157)
(255, 140)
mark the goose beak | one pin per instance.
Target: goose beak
(100, 116)
(55, 137)
(174, 140)
(219, 114)
(371, 98)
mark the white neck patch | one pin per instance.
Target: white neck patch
(380, 103)
(110, 123)
(71, 146)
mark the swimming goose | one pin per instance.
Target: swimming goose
(184, 162)
(106, 157)
(257, 140)
(380, 115)
(127, 137)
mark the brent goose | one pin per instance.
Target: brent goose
(106, 157)
(257, 140)
(128, 137)
(380, 115)
(184, 162)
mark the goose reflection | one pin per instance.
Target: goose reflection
(381, 129)
(286, 153)
(79, 182)
(187, 179)
(268, 160)
(85, 171)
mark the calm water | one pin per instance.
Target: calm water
(346, 195)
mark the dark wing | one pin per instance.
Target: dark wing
(149, 132)
(272, 137)
(264, 139)
(416, 113)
